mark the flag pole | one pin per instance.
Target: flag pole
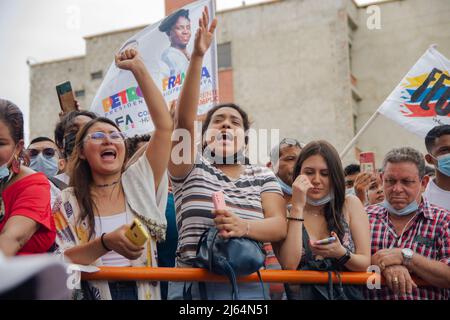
(360, 132)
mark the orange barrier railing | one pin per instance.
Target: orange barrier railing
(196, 274)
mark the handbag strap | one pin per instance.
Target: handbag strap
(211, 249)
(262, 285)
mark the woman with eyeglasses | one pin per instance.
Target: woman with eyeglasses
(26, 224)
(105, 196)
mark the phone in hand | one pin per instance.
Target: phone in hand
(218, 200)
(326, 240)
(367, 162)
(66, 97)
(137, 233)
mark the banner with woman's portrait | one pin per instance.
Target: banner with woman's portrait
(166, 49)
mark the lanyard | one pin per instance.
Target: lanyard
(399, 241)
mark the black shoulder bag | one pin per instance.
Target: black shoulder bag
(328, 291)
(230, 257)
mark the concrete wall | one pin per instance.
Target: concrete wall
(381, 58)
(44, 105)
(290, 65)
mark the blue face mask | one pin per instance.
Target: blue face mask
(287, 189)
(444, 164)
(410, 208)
(48, 166)
(4, 171)
(320, 202)
(350, 191)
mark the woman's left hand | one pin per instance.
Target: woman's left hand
(229, 224)
(331, 250)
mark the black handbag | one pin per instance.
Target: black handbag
(230, 257)
(329, 291)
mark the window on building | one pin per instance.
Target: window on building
(97, 75)
(224, 55)
(80, 93)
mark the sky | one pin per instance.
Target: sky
(44, 30)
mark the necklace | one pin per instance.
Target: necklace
(107, 184)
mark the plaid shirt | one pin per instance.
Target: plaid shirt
(428, 235)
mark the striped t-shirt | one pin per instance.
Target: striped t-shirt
(193, 201)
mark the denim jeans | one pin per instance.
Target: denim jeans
(123, 290)
(218, 291)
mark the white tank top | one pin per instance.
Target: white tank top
(109, 224)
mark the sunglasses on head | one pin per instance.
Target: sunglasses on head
(290, 142)
(47, 152)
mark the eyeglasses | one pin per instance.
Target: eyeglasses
(99, 136)
(47, 152)
(290, 142)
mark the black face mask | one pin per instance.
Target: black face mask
(69, 144)
(237, 158)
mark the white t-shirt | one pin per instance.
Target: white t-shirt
(176, 61)
(108, 224)
(437, 196)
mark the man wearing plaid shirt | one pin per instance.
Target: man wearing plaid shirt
(410, 236)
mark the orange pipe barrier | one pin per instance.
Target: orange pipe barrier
(197, 274)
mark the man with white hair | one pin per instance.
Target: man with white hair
(282, 161)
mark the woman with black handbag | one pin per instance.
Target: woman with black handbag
(254, 206)
(321, 211)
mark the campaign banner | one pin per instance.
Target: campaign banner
(166, 48)
(422, 99)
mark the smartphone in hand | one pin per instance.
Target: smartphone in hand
(367, 162)
(66, 97)
(218, 200)
(326, 240)
(137, 233)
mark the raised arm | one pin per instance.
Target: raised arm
(289, 251)
(186, 112)
(158, 150)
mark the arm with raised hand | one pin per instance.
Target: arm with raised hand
(186, 112)
(158, 149)
(289, 251)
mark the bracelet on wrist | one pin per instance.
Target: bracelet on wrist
(344, 259)
(103, 242)
(295, 219)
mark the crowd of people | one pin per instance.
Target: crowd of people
(76, 196)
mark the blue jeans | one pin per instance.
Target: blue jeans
(123, 290)
(218, 291)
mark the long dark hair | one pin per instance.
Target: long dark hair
(12, 117)
(334, 209)
(81, 175)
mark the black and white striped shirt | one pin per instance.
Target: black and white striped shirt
(193, 200)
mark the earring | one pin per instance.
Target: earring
(16, 165)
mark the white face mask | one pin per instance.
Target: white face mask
(410, 208)
(320, 202)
